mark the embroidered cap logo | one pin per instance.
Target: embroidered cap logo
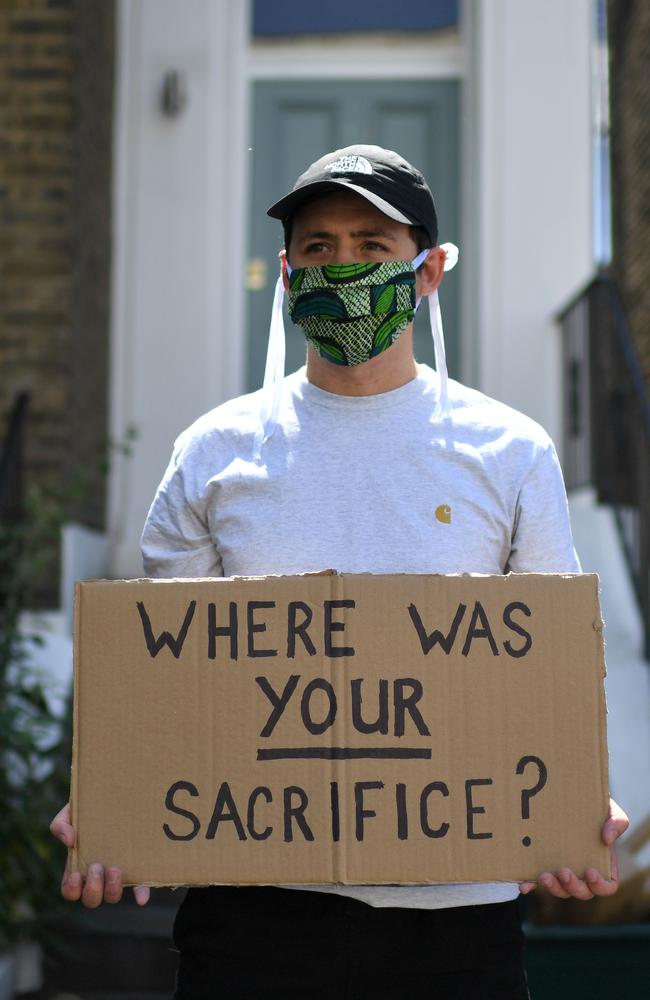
(350, 165)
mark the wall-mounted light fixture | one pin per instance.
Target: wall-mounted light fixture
(173, 93)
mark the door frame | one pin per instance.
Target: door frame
(218, 46)
(441, 56)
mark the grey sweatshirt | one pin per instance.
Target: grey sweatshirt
(364, 484)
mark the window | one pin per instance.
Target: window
(602, 207)
(295, 17)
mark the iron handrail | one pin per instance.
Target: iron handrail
(607, 421)
(11, 462)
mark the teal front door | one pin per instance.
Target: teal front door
(297, 121)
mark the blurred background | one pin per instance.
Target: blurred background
(140, 144)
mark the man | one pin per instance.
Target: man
(343, 465)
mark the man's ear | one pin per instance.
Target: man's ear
(283, 265)
(430, 273)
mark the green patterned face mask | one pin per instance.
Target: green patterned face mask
(347, 274)
(353, 312)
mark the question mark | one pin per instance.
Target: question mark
(527, 793)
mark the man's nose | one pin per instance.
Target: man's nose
(345, 253)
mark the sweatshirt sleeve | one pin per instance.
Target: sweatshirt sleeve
(176, 540)
(542, 540)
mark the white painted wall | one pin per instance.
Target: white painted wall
(533, 228)
(628, 673)
(179, 203)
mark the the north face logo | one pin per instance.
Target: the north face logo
(351, 165)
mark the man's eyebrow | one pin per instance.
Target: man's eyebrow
(358, 234)
(366, 233)
(317, 234)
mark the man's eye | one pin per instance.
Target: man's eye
(316, 248)
(373, 246)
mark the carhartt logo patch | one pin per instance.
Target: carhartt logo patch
(351, 164)
(443, 513)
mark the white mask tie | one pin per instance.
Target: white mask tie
(273, 373)
(435, 318)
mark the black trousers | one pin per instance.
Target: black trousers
(262, 943)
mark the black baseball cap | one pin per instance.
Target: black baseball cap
(382, 177)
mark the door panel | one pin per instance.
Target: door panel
(294, 123)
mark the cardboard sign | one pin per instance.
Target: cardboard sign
(350, 729)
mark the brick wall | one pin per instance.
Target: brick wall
(56, 85)
(629, 41)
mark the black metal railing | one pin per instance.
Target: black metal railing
(607, 421)
(11, 514)
(11, 462)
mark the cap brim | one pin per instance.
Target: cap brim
(288, 205)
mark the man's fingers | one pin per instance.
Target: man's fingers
(113, 885)
(141, 893)
(616, 823)
(599, 885)
(565, 884)
(61, 826)
(576, 888)
(99, 887)
(71, 886)
(526, 887)
(93, 890)
(550, 882)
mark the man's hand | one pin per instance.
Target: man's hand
(566, 885)
(100, 886)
